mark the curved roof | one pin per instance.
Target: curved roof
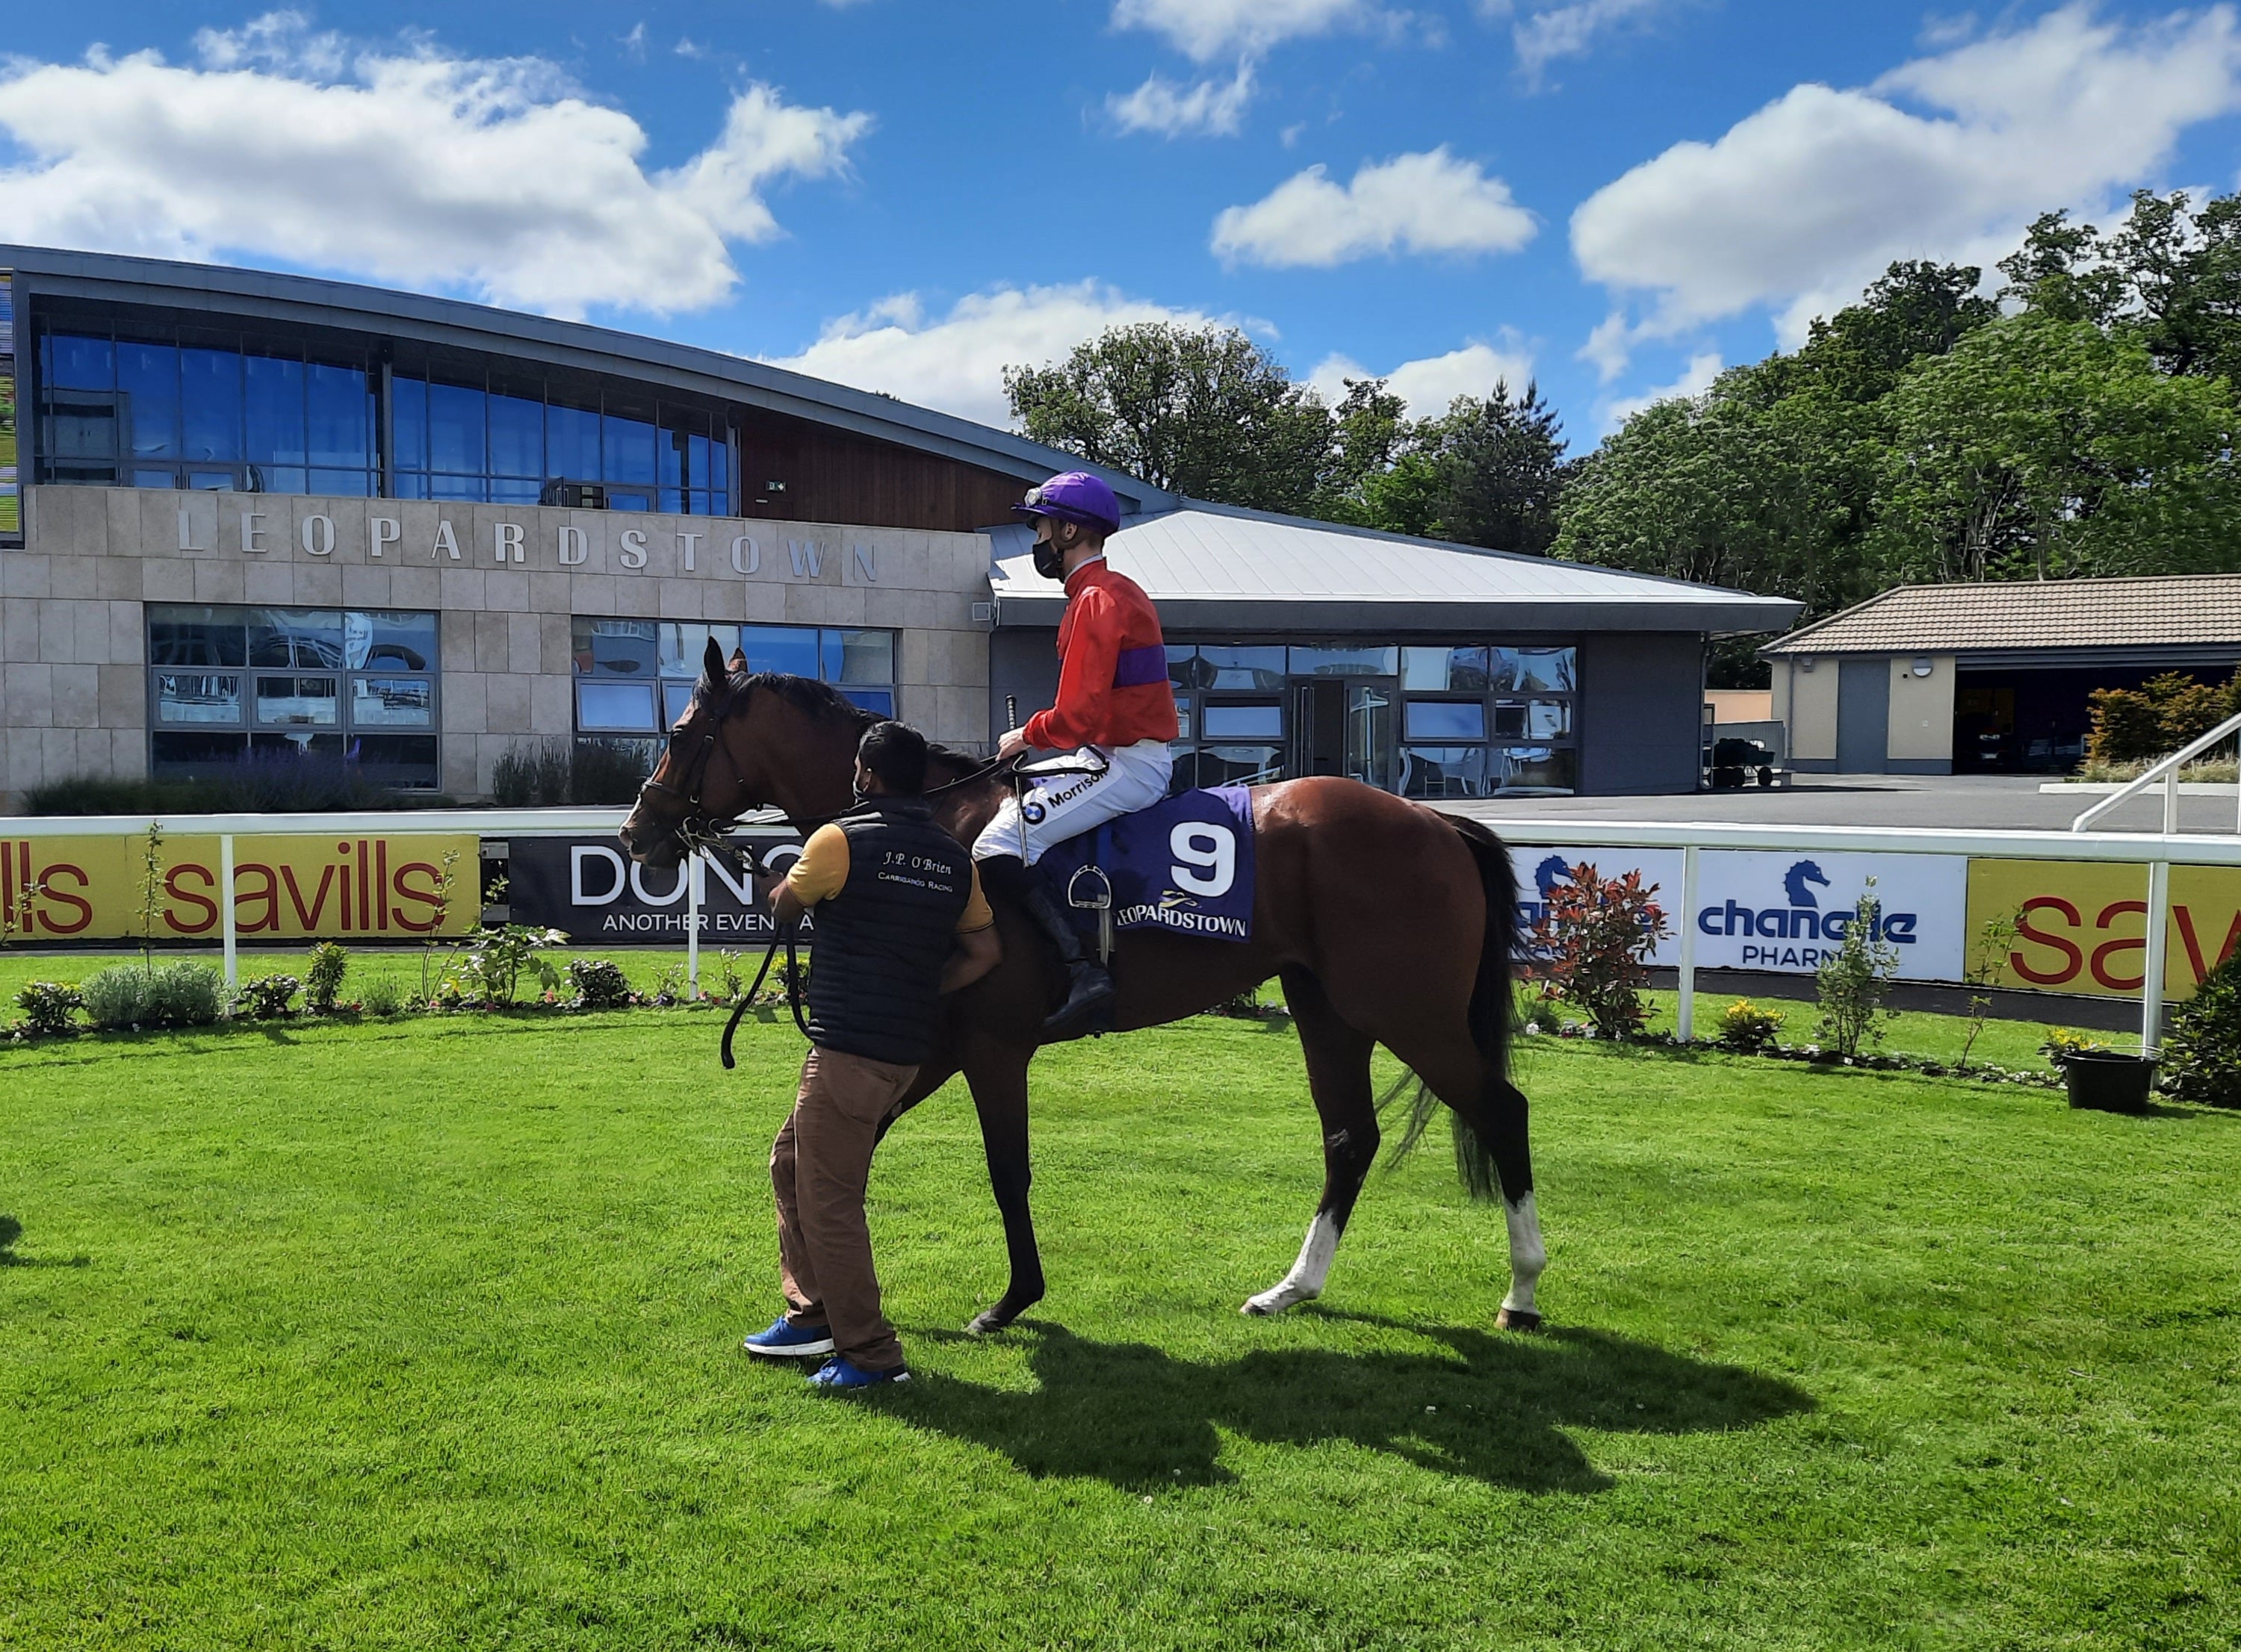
(315, 301)
(1220, 565)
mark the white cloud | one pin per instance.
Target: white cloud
(1214, 107)
(1207, 29)
(495, 176)
(956, 363)
(1429, 384)
(1798, 206)
(1569, 30)
(1431, 202)
(1695, 381)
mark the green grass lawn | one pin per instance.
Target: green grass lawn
(425, 1333)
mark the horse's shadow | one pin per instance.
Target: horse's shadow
(1494, 1408)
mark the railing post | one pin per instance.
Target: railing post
(225, 896)
(2152, 982)
(2171, 801)
(692, 926)
(1684, 1017)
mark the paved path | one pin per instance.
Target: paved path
(1996, 802)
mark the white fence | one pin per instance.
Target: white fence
(2155, 853)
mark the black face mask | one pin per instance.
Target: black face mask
(1050, 561)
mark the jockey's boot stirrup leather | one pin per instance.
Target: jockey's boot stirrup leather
(1089, 989)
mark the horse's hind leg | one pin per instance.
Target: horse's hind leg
(1338, 1076)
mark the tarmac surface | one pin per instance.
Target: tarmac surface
(1996, 802)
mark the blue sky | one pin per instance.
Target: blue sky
(1616, 197)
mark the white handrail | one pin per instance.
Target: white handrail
(2166, 770)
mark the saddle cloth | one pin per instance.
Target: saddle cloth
(1185, 864)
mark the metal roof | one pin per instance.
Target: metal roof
(315, 301)
(2188, 610)
(1220, 565)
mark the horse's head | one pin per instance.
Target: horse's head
(701, 785)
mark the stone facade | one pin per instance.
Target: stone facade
(504, 580)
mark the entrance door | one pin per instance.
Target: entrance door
(1319, 726)
(1863, 715)
(1370, 733)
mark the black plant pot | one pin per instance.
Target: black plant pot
(2107, 1081)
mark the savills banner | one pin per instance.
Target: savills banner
(2081, 926)
(285, 888)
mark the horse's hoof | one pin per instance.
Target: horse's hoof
(1518, 1318)
(1270, 1303)
(988, 1321)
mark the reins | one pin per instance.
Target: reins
(786, 932)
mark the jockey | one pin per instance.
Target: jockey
(1115, 712)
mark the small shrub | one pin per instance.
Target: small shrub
(501, 955)
(322, 981)
(609, 770)
(48, 1005)
(532, 775)
(2201, 1055)
(186, 994)
(1853, 981)
(1744, 1026)
(381, 996)
(267, 997)
(2061, 1044)
(1595, 936)
(598, 984)
(668, 989)
(119, 996)
(732, 987)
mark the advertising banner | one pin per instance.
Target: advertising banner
(591, 890)
(1786, 912)
(1539, 868)
(2083, 925)
(285, 887)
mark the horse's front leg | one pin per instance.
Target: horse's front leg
(998, 1076)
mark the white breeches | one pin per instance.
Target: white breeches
(1066, 805)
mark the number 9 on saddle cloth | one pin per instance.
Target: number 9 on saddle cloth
(1184, 864)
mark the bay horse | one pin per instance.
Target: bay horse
(1387, 922)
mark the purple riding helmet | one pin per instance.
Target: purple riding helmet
(1071, 496)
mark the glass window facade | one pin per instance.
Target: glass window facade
(1444, 720)
(351, 685)
(635, 676)
(190, 408)
(185, 406)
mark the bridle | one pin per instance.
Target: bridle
(697, 829)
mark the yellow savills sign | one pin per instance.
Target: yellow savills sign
(285, 888)
(2081, 926)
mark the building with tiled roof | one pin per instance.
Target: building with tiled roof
(1932, 679)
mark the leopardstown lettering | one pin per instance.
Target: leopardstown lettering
(517, 545)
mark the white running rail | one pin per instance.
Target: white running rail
(2166, 770)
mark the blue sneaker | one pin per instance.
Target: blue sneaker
(786, 1341)
(838, 1372)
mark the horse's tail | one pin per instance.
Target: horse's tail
(1488, 1013)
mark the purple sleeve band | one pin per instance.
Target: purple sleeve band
(1134, 667)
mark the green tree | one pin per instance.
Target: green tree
(1500, 468)
(1912, 309)
(1201, 411)
(2043, 445)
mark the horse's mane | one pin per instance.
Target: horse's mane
(825, 703)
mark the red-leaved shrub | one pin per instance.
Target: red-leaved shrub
(1594, 940)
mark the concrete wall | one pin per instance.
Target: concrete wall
(1640, 717)
(1921, 737)
(73, 679)
(1805, 702)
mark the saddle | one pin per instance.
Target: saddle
(1184, 866)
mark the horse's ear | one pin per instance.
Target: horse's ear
(711, 664)
(739, 661)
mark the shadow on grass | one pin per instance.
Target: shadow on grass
(1492, 1408)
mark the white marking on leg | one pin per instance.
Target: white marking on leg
(1305, 1282)
(1528, 1256)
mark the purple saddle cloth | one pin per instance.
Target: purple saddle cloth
(1185, 864)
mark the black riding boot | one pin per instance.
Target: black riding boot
(1089, 987)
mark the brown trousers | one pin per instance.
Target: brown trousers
(818, 1167)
